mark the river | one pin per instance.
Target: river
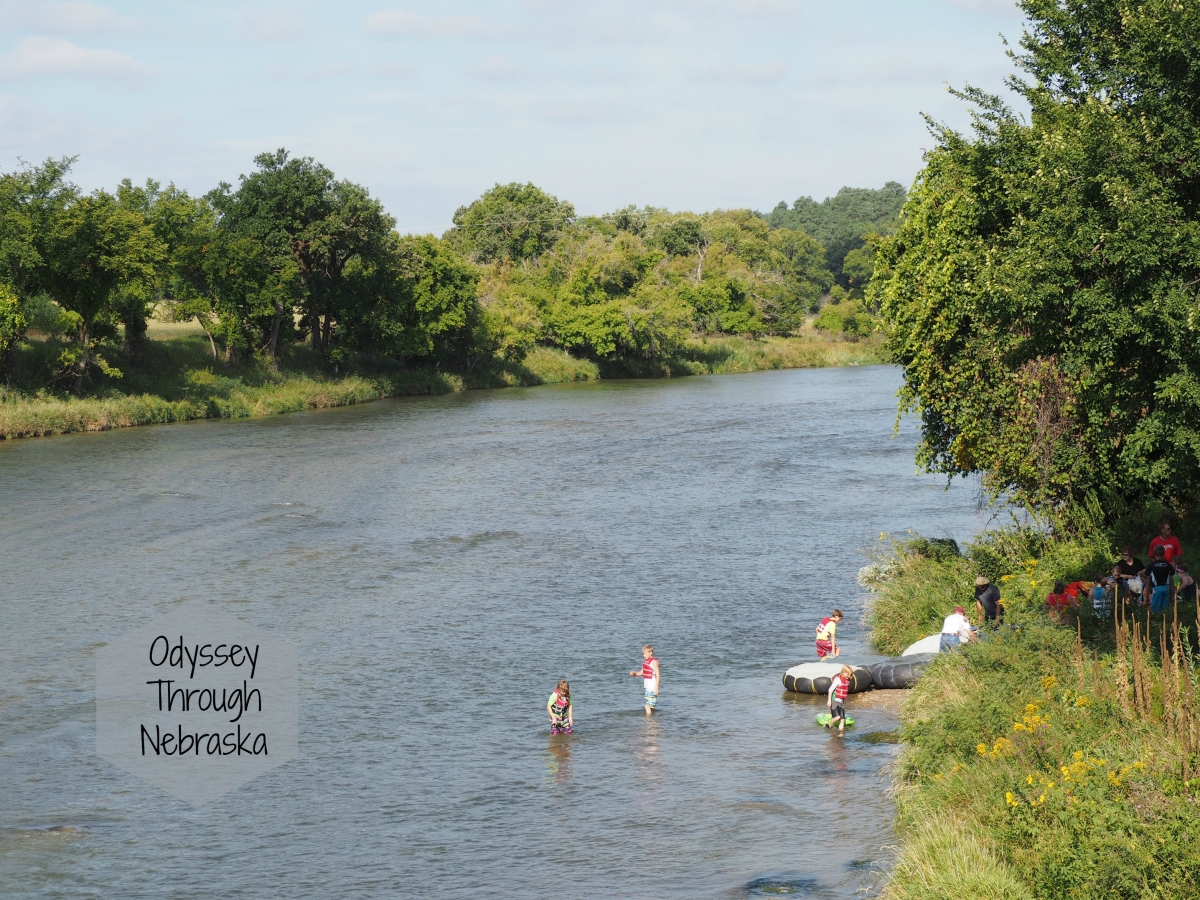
(440, 563)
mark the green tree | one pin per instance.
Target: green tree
(94, 254)
(1041, 291)
(418, 303)
(859, 265)
(12, 327)
(87, 252)
(510, 222)
(311, 227)
(842, 222)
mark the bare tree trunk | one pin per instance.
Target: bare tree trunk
(701, 252)
(314, 324)
(135, 340)
(325, 331)
(208, 334)
(273, 342)
(82, 362)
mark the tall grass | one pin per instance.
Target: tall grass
(179, 380)
(227, 398)
(1044, 761)
(734, 355)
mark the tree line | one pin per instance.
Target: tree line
(294, 254)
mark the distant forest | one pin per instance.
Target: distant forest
(293, 254)
(842, 222)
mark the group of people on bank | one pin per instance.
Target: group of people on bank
(1153, 586)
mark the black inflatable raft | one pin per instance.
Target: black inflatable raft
(900, 671)
(814, 678)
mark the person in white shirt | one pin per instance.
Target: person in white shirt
(956, 630)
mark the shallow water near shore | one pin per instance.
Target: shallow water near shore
(440, 563)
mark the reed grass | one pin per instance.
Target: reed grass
(1045, 761)
(736, 355)
(178, 379)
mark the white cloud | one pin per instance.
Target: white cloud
(59, 16)
(312, 73)
(393, 70)
(576, 112)
(54, 56)
(279, 23)
(770, 9)
(988, 6)
(400, 23)
(748, 74)
(498, 68)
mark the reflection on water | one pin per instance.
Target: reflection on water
(441, 563)
(558, 758)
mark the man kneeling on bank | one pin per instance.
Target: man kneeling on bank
(956, 630)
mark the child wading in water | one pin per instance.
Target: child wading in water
(839, 687)
(827, 635)
(650, 678)
(562, 713)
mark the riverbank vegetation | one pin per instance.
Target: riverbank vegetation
(1045, 761)
(180, 381)
(1041, 296)
(299, 293)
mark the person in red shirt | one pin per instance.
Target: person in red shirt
(1058, 602)
(1170, 544)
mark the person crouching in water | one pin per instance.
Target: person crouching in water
(827, 635)
(839, 687)
(562, 713)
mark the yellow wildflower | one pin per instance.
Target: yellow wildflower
(981, 749)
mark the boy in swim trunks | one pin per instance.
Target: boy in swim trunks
(650, 673)
(827, 635)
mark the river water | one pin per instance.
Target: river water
(440, 563)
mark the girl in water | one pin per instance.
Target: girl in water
(562, 713)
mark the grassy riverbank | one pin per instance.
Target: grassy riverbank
(178, 379)
(1045, 761)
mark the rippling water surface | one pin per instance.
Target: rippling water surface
(440, 563)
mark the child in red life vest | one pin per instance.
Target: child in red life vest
(651, 674)
(827, 635)
(839, 687)
(562, 713)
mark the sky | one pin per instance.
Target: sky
(684, 104)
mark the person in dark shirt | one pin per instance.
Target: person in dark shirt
(987, 599)
(1129, 567)
(1185, 584)
(1160, 574)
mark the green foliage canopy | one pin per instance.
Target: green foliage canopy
(511, 222)
(1042, 289)
(842, 222)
